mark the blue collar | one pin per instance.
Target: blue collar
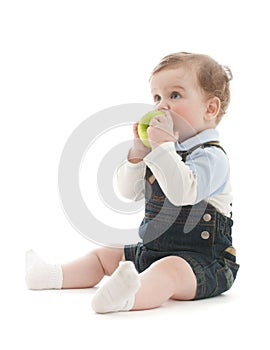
(204, 136)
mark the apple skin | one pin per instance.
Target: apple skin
(144, 124)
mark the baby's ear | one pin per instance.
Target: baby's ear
(212, 108)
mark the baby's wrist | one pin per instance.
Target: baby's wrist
(135, 156)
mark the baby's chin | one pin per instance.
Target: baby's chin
(185, 132)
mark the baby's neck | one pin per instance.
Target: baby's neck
(185, 136)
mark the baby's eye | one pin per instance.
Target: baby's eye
(175, 95)
(157, 98)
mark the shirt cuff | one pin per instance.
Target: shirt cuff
(134, 165)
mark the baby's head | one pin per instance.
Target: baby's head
(209, 78)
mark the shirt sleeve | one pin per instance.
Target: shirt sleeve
(129, 180)
(204, 174)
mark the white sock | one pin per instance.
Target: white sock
(118, 293)
(40, 275)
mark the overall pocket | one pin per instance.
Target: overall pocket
(226, 274)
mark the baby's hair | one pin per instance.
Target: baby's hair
(213, 78)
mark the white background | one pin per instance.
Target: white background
(61, 62)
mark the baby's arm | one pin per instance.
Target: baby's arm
(203, 175)
(130, 180)
(130, 174)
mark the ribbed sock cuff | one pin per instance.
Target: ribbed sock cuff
(56, 277)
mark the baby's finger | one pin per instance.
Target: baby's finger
(135, 130)
(167, 115)
(155, 121)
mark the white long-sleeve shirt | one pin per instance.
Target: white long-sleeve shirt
(204, 175)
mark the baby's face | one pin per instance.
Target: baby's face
(177, 90)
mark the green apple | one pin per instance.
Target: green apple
(144, 124)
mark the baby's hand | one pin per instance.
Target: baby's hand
(138, 150)
(161, 130)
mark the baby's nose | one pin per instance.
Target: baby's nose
(163, 105)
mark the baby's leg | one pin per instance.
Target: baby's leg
(89, 270)
(82, 273)
(170, 277)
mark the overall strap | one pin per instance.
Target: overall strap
(184, 154)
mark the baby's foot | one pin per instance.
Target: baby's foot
(118, 293)
(40, 275)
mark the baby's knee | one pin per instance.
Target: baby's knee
(109, 258)
(173, 265)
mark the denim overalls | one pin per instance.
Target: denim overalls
(197, 233)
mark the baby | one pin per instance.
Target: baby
(186, 250)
